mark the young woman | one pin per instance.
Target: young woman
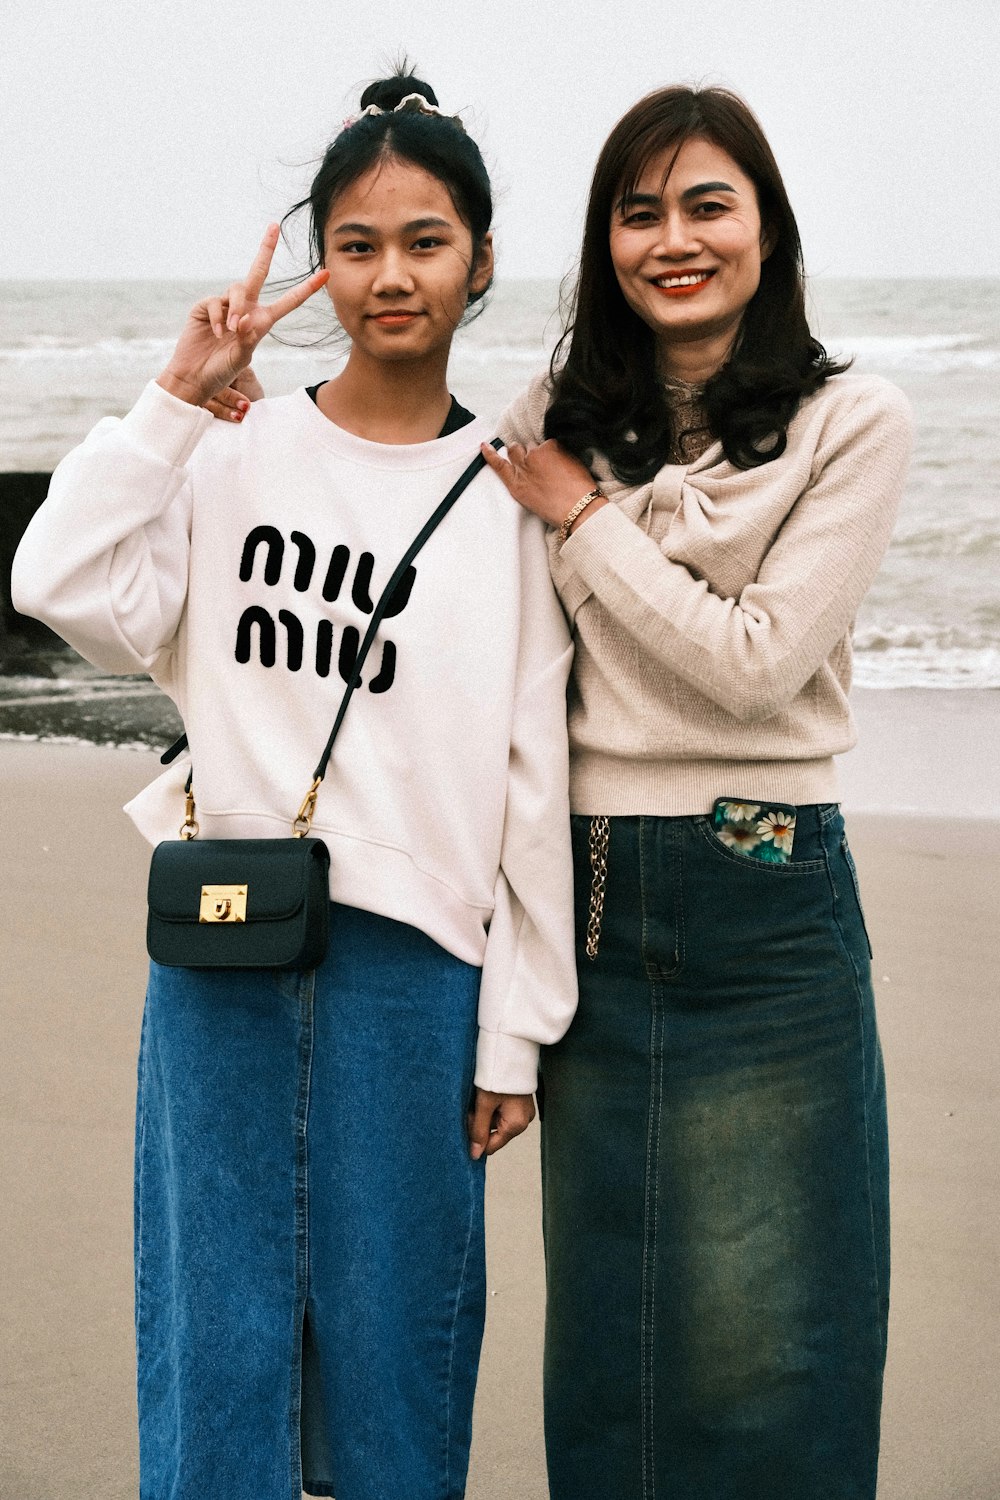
(714, 1127)
(309, 1207)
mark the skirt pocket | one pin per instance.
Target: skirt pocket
(856, 887)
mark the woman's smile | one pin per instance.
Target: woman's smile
(676, 284)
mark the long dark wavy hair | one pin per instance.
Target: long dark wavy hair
(607, 395)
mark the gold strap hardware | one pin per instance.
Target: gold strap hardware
(304, 816)
(600, 832)
(189, 828)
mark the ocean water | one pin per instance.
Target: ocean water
(71, 352)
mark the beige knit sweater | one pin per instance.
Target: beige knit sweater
(712, 609)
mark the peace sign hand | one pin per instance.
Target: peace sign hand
(221, 333)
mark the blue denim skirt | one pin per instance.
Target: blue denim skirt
(309, 1249)
(715, 1178)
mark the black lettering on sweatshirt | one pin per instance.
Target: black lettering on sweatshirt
(273, 543)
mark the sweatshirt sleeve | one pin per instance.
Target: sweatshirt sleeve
(529, 992)
(104, 560)
(753, 654)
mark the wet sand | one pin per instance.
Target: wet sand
(72, 883)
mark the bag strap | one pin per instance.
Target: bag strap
(429, 527)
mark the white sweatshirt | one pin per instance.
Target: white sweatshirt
(239, 566)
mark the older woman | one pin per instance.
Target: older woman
(714, 1126)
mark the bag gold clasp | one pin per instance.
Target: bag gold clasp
(223, 903)
(304, 816)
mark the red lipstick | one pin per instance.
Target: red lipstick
(688, 290)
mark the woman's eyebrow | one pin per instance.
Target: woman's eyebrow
(411, 228)
(653, 200)
(633, 200)
(707, 187)
(415, 224)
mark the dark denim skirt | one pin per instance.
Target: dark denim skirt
(715, 1174)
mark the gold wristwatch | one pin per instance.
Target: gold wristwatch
(581, 505)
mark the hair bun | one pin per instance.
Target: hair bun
(388, 92)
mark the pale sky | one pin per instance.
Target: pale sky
(157, 140)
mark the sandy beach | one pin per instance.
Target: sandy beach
(72, 883)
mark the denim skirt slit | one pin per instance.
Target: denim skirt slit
(715, 1177)
(309, 1248)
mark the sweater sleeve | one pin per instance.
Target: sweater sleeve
(104, 560)
(529, 992)
(753, 654)
(524, 420)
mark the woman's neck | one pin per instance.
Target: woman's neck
(696, 360)
(388, 402)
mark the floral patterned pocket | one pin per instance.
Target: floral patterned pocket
(761, 830)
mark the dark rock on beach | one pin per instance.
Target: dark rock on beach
(46, 690)
(25, 645)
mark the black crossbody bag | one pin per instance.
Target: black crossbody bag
(260, 903)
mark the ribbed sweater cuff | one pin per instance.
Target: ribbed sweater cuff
(595, 545)
(506, 1064)
(166, 426)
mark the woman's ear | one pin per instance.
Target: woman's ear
(482, 267)
(768, 240)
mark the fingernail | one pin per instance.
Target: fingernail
(233, 320)
(475, 1151)
(217, 330)
(236, 416)
(243, 406)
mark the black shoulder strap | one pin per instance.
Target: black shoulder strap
(430, 526)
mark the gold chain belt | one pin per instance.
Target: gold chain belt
(600, 833)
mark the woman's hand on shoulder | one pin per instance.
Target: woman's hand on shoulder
(496, 1119)
(218, 340)
(546, 480)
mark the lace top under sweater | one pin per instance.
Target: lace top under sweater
(712, 609)
(690, 433)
